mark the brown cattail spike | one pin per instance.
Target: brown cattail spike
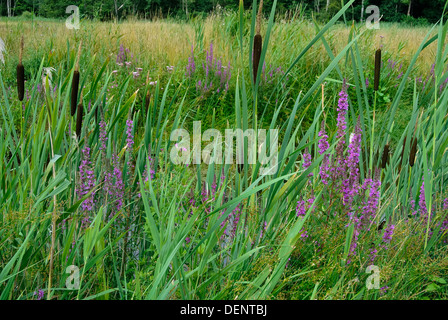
(75, 84)
(75, 88)
(20, 74)
(79, 118)
(376, 82)
(413, 152)
(258, 41)
(385, 158)
(257, 54)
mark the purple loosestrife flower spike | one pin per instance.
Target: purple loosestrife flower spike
(342, 110)
(307, 161)
(387, 237)
(39, 293)
(103, 135)
(323, 147)
(129, 141)
(86, 184)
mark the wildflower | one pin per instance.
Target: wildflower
(307, 161)
(422, 202)
(86, 184)
(373, 255)
(323, 147)
(103, 135)
(191, 66)
(387, 237)
(370, 208)
(354, 150)
(383, 290)
(114, 185)
(39, 293)
(339, 161)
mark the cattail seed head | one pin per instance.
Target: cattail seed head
(376, 82)
(75, 83)
(257, 54)
(258, 41)
(20, 81)
(385, 158)
(75, 88)
(79, 118)
(20, 74)
(413, 152)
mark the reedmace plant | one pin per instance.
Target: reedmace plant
(251, 153)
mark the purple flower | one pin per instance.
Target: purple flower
(86, 184)
(129, 140)
(103, 135)
(323, 147)
(342, 110)
(422, 202)
(371, 206)
(383, 290)
(387, 237)
(307, 161)
(301, 208)
(354, 150)
(373, 255)
(39, 293)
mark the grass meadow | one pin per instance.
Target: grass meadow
(356, 208)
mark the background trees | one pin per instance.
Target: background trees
(410, 11)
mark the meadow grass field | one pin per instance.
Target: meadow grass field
(93, 183)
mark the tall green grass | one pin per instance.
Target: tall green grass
(159, 245)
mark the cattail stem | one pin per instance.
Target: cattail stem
(376, 82)
(259, 13)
